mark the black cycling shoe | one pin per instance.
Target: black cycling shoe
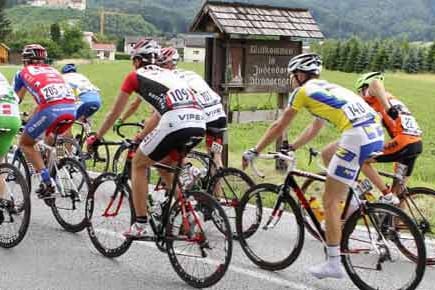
(45, 191)
(6, 203)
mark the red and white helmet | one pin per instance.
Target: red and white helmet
(169, 57)
(34, 51)
(147, 49)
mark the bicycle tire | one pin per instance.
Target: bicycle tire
(118, 163)
(266, 191)
(93, 205)
(58, 209)
(201, 161)
(231, 195)
(23, 208)
(207, 207)
(374, 210)
(424, 217)
(20, 162)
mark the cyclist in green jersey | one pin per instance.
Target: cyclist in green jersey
(10, 123)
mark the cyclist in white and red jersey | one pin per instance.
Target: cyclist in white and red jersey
(55, 103)
(215, 117)
(176, 119)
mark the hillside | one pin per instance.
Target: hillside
(119, 25)
(337, 18)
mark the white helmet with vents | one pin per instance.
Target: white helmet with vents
(306, 62)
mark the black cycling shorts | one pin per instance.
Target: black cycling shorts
(406, 156)
(176, 141)
(220, 123)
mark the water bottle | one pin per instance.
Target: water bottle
(317, 209)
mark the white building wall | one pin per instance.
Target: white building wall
(194, 54)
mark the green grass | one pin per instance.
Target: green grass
(415, 90)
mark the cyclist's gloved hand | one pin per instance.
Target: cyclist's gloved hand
(393, 112)
(286, 147)
(91, 142)
(248, 156)
(118, 123)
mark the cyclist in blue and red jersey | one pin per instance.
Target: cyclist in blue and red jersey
(55, 103)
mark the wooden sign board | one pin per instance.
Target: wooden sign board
(260, 65)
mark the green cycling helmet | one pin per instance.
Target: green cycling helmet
(367, 78)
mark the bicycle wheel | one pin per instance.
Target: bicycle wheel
(68, 147)
(119, 159)
(419, 205)
(19, 161)
(15, 218)
(109, 213)
(228, 186)
(278, 223)
(200, 253)
(370, 250)
(73, 184)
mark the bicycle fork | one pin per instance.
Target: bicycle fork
(277, 211)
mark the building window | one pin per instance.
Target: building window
(195, 52)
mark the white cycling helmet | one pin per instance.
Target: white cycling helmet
(146, 49)
(306, 62)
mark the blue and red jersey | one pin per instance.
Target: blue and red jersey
(45, 84)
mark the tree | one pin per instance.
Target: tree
(430, 58)
(344, 56)
(5, 23)
(410, 64)
(352, 57)
(421, 59)
(72, 41)
(380, 60)
(396, 59)
(362, 61)
(55, 32)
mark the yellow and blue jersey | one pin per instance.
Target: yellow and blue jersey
(333, 103)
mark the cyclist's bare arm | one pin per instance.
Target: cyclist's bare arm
(276, 129)
(132, 108)
(377, 90)
(120, 103)
(150, 124)
(21, 93)
(309, 133)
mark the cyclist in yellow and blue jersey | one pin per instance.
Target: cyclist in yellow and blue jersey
(361, 135)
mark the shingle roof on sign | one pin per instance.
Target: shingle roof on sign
(248, 19)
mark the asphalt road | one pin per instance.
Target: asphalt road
(50, 258)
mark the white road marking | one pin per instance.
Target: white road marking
(262, 275)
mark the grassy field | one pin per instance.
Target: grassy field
(415, 90)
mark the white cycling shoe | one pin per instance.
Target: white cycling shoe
(390, 199)
(327, 270)
(138, 230)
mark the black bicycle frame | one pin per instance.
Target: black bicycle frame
(126, 175)
(291, 184)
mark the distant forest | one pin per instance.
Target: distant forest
(367, 19)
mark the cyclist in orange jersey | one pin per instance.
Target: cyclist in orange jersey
(406, 142)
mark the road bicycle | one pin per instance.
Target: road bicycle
(14, 206)
(371, 236)
(71, 180)
(190, 226)
(417, 202)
